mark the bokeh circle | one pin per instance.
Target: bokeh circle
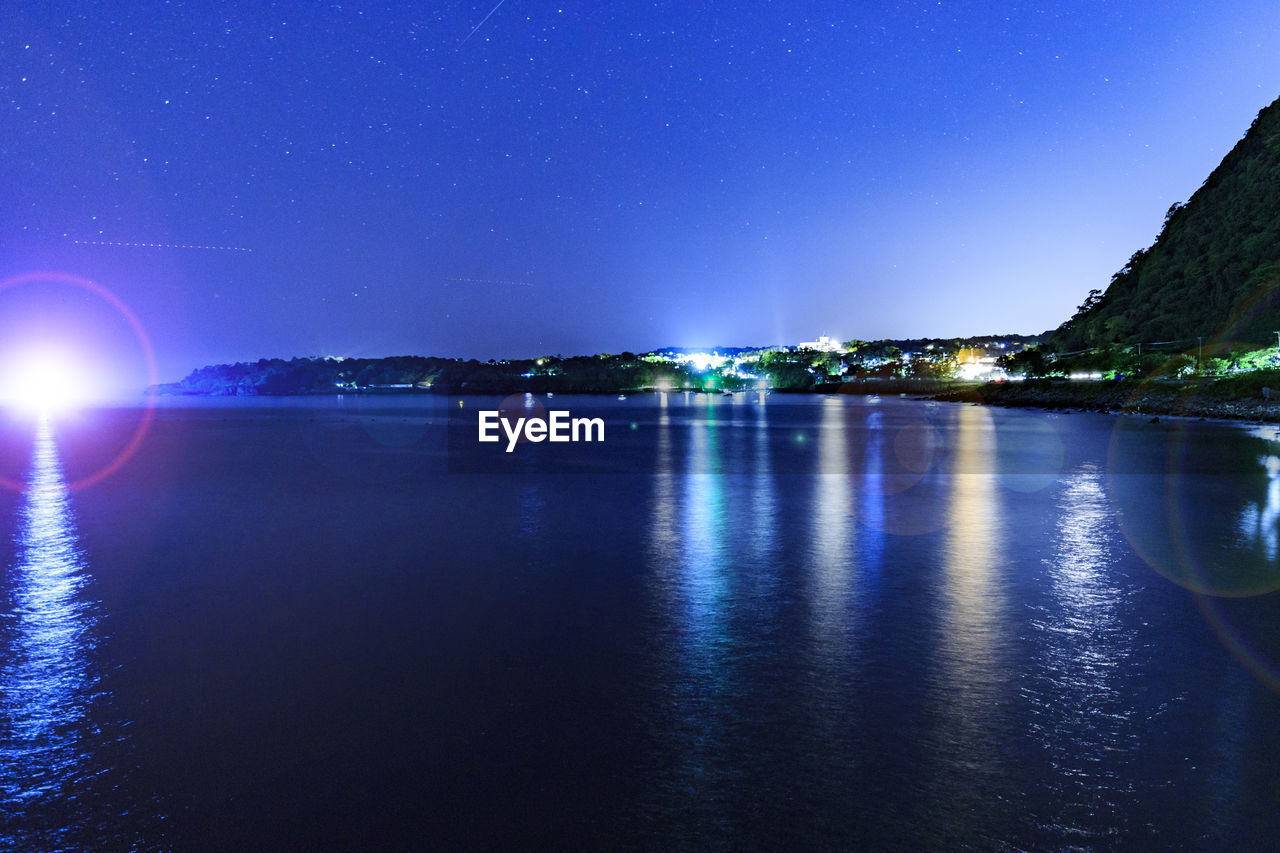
(144, 344)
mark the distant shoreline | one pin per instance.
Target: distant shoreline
(868, 387)
(1205, 398)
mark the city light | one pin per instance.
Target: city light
(702, 360)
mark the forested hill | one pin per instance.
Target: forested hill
(603, 373)
(1214, 270)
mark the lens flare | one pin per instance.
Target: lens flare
(44, 382)
(9, 361)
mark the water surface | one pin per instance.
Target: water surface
(740, 623)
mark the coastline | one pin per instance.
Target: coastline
(1197, 399)
(1204, 398)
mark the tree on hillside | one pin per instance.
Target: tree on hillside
(1212, 271)
(1029, 362)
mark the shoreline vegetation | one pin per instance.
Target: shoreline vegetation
(723, 369)
(1239, 396)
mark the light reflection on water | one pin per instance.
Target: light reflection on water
(764, 498)
(872, 504)
(689, 555)
(787, 604)
(833, 560)
(1085, 657)
(703, 585)
(1260, 522)
(973, 677)
(49, 679)
(833, 522)
(1000, 670)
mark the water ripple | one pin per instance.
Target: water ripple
(52, 771)
(1080, 716)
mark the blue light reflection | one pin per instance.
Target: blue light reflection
(48, 680)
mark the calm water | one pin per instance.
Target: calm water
(737, 624)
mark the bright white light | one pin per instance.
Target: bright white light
(42, 382)
(702, 360)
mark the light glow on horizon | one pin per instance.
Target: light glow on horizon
(44, 382)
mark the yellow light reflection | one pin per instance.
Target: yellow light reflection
(833, 606)
(972, 671)
(833, 508)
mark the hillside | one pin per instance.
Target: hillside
(587, 374)
(1214, 270)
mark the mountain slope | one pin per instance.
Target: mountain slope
(1214, 270)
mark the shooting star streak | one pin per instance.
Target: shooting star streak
(160, 245)
(481, 24)
(491, 281)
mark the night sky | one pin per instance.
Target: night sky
(560, 177)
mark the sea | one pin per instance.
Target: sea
(740, 622)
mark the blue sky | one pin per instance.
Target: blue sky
(601, 176)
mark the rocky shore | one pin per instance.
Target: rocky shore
(1201, 399)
